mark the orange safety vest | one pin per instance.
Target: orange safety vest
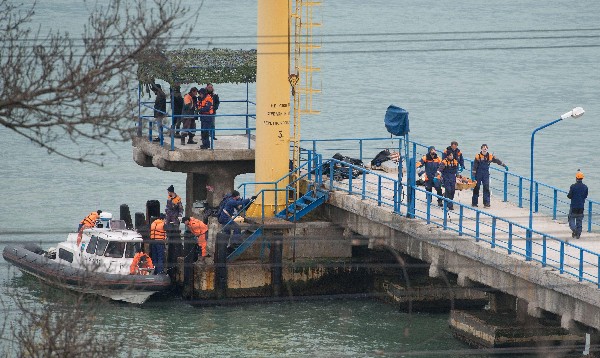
(198, 228)
(157, 230)
(207, 98)
(90, 220)
(133, 269)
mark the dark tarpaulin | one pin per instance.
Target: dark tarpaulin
(396, 120)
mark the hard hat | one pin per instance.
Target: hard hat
(579, 175)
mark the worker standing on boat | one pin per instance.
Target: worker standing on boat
(481, 173)
(189, 123)
(198, 229)
(447, 170)
(453, 148)
(431, 162)
(206, 111)
(88, 222)
(141, 263)
(174, 207)
(578, 192)
(158, 235)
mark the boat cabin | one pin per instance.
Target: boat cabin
(107, 248)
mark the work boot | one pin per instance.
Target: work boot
(191, 141)
(573, 234)
(440, 203)
(577, 236)
(486, 205)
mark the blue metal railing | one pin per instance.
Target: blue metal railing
(513, 187)
(482, 226)
(150, 122)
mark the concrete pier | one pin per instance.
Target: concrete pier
(205, 168)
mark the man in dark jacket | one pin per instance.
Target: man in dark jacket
(577, 193)
(216, 102)
(232, 207)
(456, 153)
(431, 162)
(448, 169)
(481, 173)
(160, 107)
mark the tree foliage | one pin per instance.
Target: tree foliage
(54, 86)
(218, 65)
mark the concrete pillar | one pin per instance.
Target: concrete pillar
(434, 271)
(567, 322)
(534, 311)
(501, 302)
(221, 265)
(464, 281)
(522, 309)
(276, 258)
(195, 189)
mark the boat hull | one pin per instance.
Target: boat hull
(128, 288)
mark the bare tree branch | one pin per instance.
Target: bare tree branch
(52, 88)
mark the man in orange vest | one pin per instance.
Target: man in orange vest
(88, 222)
(189, 122)
(198, 229)
(140, 262)
(206, 111)
(158, 235)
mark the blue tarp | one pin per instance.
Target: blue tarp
(396, 120)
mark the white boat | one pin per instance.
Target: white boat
(99, 264)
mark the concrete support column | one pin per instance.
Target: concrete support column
(567, 322)
(464, 281)
(501, 302)
(534, 311)
(276, 258)
(195, 189)
(522, 308)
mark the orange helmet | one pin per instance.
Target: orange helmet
(579, 175)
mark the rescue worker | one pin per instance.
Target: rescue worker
(177, 107)
(481, 173)
(453, 148)
(233, 206)
(578, 192)
(160, 109)
(206, 111)
(431, 162)
(199, 229)
(87, 223)
(190, 103)
(90, 220)
(448, 169)
(216, 101)
(158, 235)
(140, 261)
(174, 207)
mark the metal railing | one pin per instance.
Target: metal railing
(512, 187)
(149, 122)
(482, 226)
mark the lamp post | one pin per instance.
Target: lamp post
(574, 113)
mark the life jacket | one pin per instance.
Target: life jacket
(206, 105)
(197, 227)
(136, 264)
(90, 220)
(482, 162)
(157, 230)
(189, 102)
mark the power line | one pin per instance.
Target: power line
(350, 34)
(382, 41)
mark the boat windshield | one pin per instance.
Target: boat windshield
(101, 246)
(131, 249)
(115, 249)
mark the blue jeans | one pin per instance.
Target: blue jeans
(576, 221)
(158, 255)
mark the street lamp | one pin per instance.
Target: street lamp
(574, 113)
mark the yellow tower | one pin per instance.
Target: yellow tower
(272, 101)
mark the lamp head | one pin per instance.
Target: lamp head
(574, 113)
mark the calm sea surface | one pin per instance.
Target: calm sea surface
(473, 71)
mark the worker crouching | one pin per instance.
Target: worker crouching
(199, 229)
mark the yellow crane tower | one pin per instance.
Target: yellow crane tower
(273, 101)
